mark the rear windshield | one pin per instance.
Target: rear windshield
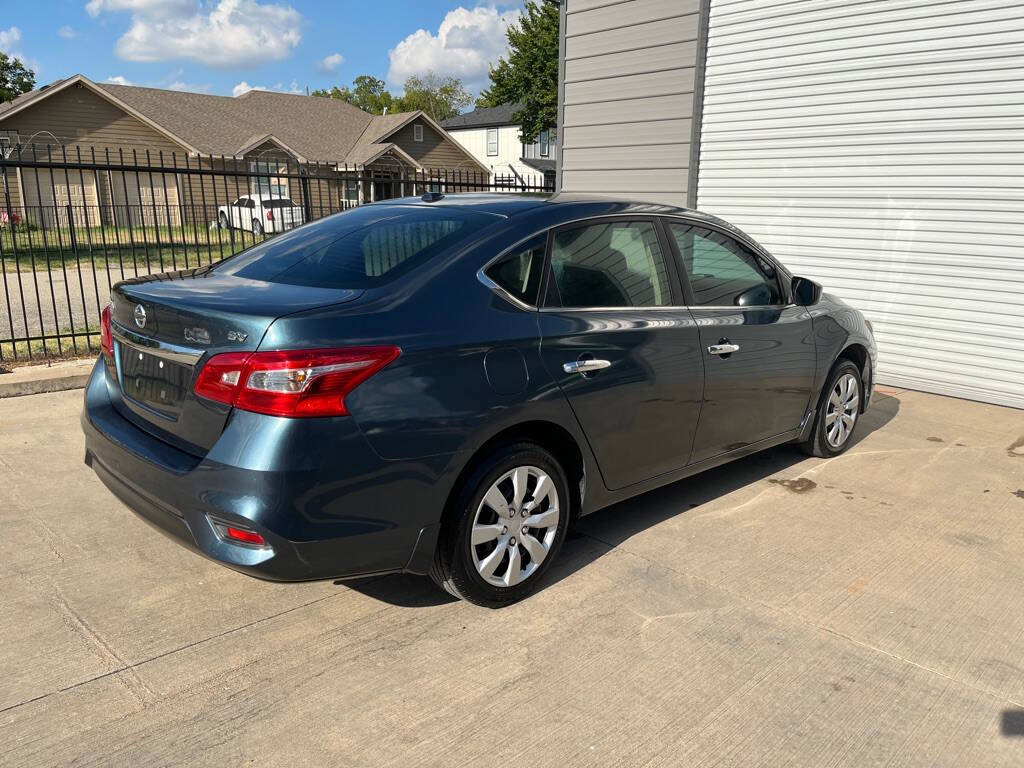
(361, 248)
(277, 202)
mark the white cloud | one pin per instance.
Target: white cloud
(118, 80)
(180, 85)
(466, 43)
(229, 33)
(68, 33)
(244, 87)
(9, 37)
(150, 7)
(330, 64)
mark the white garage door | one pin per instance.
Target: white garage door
(878, 147)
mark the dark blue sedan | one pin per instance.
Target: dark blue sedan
(443, 384)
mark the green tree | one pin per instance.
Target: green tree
(15, 78)
(530, 74)
(440, 97)
(367, 92)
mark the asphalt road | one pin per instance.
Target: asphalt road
(865, 610)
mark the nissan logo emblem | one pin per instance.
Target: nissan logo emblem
(139, 315)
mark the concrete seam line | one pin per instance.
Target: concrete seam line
(796, 617)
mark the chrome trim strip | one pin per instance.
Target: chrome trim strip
(483, 278)
(561, 310)
(162, 349)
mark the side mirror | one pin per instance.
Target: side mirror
(806, 292)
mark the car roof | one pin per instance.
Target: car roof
(510, 204)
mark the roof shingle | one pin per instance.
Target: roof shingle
(314, 127)
(484, 117)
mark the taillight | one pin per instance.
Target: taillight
(296, 383)
(106, 339)
(270, 215)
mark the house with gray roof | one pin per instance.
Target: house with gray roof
(491, 134)
(258, 132)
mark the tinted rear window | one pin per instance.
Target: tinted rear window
(361, 248)
(277, 202)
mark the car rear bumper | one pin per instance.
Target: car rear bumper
(336, 511)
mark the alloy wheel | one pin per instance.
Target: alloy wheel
(514, 526)
(841, 414)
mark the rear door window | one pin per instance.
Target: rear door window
(610, 264)
(360, 248)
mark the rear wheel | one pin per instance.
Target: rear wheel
(222, 221)
(257, 227)
(507, 525)
(838, 412)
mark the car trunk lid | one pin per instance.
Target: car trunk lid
(166, 326)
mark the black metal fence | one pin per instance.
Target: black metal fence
(75, 221)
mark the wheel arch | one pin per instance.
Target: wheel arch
(549, 435)
(857, 354)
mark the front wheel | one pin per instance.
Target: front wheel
(838, 412)
(506, 527)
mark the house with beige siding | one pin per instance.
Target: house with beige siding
(260, 132)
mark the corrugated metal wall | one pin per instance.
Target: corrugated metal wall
(879, 147)
(627, 97)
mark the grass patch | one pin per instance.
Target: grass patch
(149, 249)
(35, 350)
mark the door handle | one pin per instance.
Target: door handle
(723, 349)
(585, 366)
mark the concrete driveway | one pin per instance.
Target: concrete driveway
(866, 610)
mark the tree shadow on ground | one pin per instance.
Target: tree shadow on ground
(602, 531)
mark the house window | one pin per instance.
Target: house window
(351, 191)
(545, 143)
(417, 132)
(492, 142)
(266, 183)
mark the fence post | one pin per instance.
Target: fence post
(71, 229)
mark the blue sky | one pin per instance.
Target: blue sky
(228, 46)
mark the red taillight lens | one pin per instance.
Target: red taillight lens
(296, 383)
(106, 340)
(246, 537)
(219, 378)
(270, 215)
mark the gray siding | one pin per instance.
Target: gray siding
(626, 91)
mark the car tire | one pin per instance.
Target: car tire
(222, 221)
(257, 227)
(839, 409)
(481, 573)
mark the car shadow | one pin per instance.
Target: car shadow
(599, 533)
